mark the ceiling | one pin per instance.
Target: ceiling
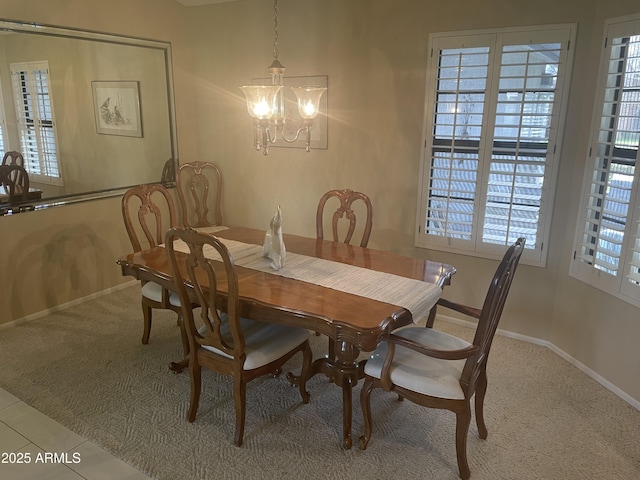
(193, 3)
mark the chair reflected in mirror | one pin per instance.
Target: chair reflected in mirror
(437, 370)
(14, 184)
(13, 158)
(200, 194)
(168, 172)
(148, 212)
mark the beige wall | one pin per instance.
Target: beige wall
(374, 52)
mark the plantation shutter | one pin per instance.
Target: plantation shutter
(34, 112)
(494, 103)
(607, 252)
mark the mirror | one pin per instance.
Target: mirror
(92, 113)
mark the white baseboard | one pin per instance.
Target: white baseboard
(580, 366)
(63, 306)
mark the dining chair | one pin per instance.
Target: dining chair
(152, 207)
(13, 158)
(437, 370)
(200, 194)
(219, 338)
(346, 197)
(14, 181)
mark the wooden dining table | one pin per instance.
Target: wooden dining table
(355, 323)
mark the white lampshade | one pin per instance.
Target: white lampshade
(261, 100)
(308, 101)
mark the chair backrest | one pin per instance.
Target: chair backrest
(347, 198)
(200, 194)
(14, 180)
(213, 329)
(155, 214)
(491, 313)
(13, 158)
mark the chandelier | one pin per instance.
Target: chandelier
(266, 105)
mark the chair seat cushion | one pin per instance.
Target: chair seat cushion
(153, 291)
(264, 342)
(418, 372)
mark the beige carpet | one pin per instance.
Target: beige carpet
(86, 368)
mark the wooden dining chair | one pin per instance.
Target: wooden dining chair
(149, 212)
(13, 158)
(14, 181)
(200, 194)
(224, 342)
(347, 198)
(438, 370)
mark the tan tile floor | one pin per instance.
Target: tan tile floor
(25, 433)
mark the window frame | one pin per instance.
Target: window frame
(39, 156)
(495, 39)
(579, 269)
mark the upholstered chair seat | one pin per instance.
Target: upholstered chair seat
(418, 372)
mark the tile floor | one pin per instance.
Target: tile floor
(27, 433)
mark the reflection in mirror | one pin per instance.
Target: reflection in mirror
(91, 113)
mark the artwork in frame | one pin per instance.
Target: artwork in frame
(117, 108)
(293, 121)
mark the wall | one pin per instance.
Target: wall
(374, 52)
(56, 256)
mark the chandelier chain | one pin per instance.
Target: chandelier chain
(276, 53)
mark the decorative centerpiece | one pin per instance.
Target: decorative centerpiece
(273, 244)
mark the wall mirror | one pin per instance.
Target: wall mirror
(91, 113)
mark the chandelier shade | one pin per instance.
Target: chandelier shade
(261, 100)
(308, 101)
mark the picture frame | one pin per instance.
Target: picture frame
(116, 107)
(293, 121)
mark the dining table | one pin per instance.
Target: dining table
(351, 294)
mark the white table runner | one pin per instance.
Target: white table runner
(415, 295)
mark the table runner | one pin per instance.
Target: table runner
(415, 295)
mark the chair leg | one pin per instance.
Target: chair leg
(463, 419)
(195, 373)
(432, 317)
(365, 404)
(240, 400)
(183, 335)
(332, 350)
(146, 315)
(307, 357)
(481, 390)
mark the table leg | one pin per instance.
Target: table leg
(344, 371)
(347, 372)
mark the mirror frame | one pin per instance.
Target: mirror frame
(17, 26)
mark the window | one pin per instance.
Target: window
(607, 245)
(3, 126)
(35, 121)
(493, 125)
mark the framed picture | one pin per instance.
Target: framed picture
(117, 108)
(293, 121)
